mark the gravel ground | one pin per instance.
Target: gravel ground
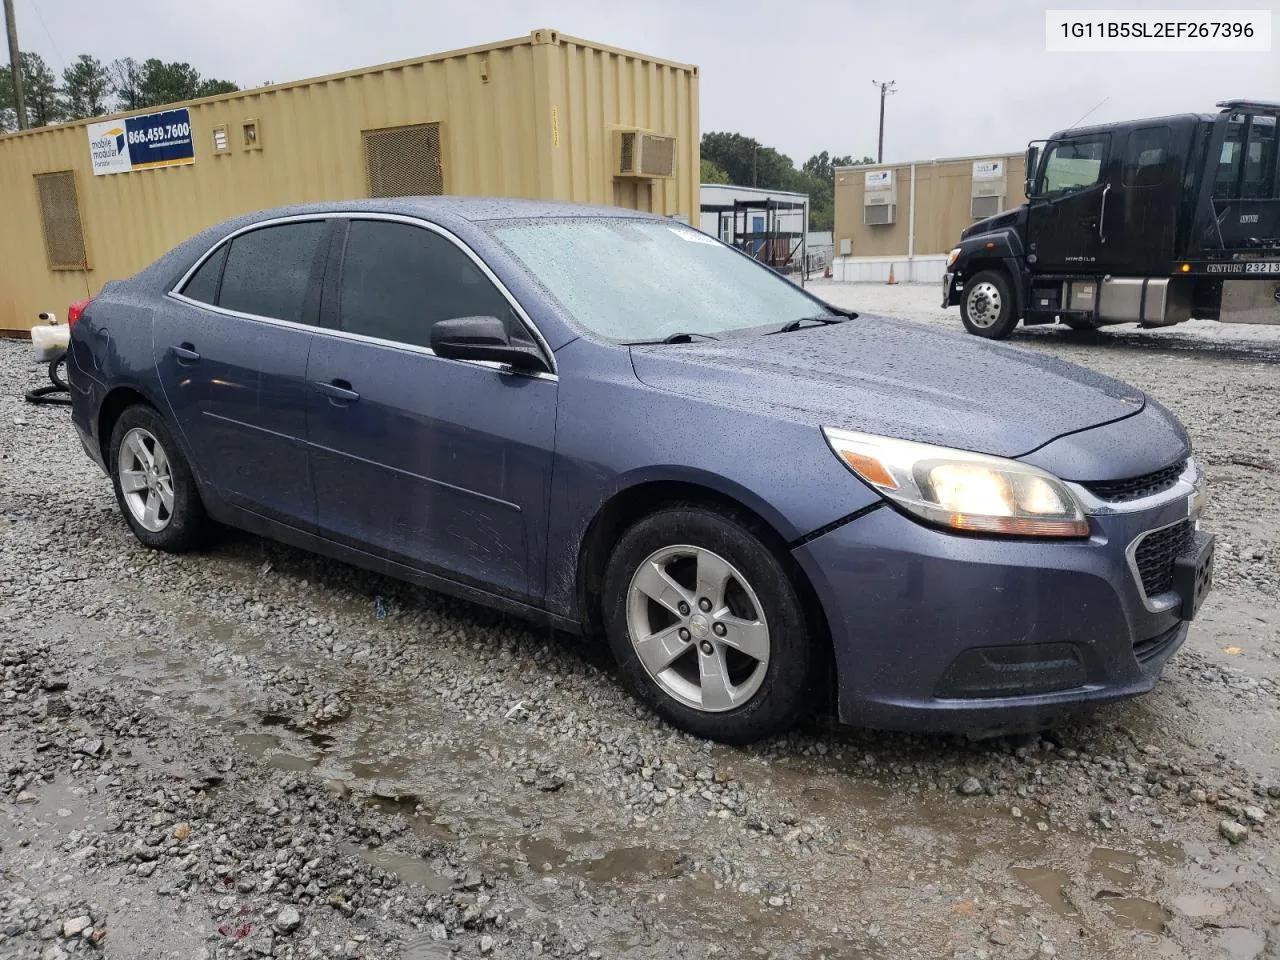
(254, 752)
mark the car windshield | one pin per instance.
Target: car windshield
(632, 280)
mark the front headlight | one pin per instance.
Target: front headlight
(953, 256)
(962, 490)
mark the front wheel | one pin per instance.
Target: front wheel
(987, 305)
(707, 626)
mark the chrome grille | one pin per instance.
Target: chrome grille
(1134, 488)
(1156, 554)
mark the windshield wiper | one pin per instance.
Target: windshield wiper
(822, 318)
(672, 338)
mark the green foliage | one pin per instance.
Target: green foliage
(86, 85)
(90, 89)
(39, 92)
(746, 162)
(711, 173)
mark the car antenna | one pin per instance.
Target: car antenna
(1091, 109)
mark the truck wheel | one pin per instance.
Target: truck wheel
(987, 305)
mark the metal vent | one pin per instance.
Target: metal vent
(658, 159)
(60, 216)
(627, 152)
(404, 161)
(983, 207)
(878, 214)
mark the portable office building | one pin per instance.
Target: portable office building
(546, 116)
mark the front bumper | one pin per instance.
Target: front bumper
(947, 278)
(940, 632)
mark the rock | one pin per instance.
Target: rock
(288, 920)
(1254, 815)
(1199, 796)
(970, 787)
(486, 945)
(89, 747)
(54, 953)
(1273, 791)
(76, 926)
(1233, 831)
(776, 901)
(439, 933)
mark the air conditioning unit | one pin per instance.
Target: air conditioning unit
(879, 197)
(982, 207)
(640, 154)
(878, 214)
(990, 187)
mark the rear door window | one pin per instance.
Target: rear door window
(1259, 176)
(399, 280)
(203, 285)
(268, 271)
(1146, 157)
(1226, 181)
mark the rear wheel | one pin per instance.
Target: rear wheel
(154, 486)
(707, 627)
(987, 305)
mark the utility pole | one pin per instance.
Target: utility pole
(885, 89)
(15, 64)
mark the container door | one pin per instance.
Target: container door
(1066, 212)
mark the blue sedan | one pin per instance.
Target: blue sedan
(611, 423)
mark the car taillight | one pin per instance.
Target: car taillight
(76, 309)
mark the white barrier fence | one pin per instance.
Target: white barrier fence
(876, 269)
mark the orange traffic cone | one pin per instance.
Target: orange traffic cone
(891, 279)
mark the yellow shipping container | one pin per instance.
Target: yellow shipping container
(545, 116)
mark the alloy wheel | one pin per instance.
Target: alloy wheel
(146, 479)
(698, 629)
(984, 304)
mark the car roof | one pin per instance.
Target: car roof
(471, 209)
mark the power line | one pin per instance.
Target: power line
(52, 45)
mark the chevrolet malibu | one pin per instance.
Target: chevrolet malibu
(613, 424)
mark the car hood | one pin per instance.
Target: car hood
(897, 379)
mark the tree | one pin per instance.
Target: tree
(40, 91)
(711, 173)
(154, 83)
(211, 88)
(86, 85)
(126, 83)
(747, 162)
(8, 113)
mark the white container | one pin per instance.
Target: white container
(49, 341)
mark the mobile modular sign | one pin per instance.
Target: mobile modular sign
(142, 143)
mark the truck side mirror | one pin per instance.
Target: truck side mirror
(1032, 159)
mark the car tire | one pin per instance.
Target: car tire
(716, 685)
(150, 473)
(986, 305)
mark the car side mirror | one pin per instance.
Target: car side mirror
(483, 338)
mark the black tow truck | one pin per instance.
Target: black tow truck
(1149, 221)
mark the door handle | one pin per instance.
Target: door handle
(1102, 213)
(184, 352)
(336, 390)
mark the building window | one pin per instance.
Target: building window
(60, 218)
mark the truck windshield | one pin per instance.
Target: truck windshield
(1071, 164)
(629, 279)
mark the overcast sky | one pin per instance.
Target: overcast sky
(973, 77)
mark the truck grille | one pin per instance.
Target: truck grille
(1157, 552)
(1134, 488)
